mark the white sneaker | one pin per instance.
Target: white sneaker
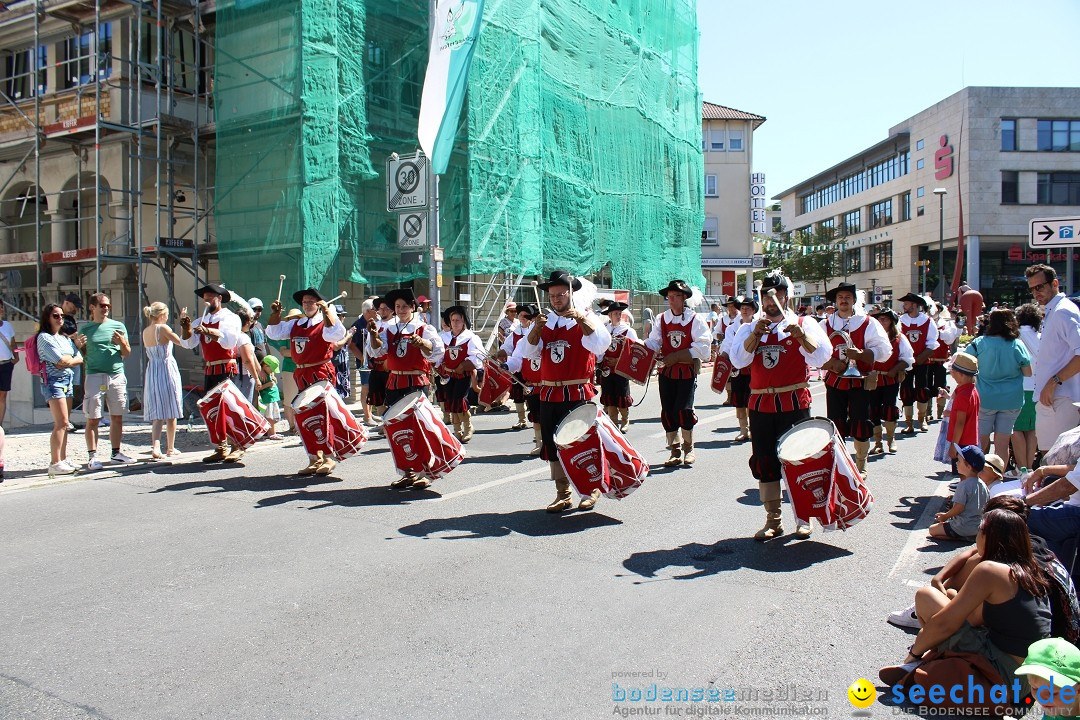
(1012, 474)
(94, 465)
(69, 465)
(905, 618)
(123, 459)
(61, 468)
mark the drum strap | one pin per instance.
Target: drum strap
(564, 383)
(220, 362)
(778, 390)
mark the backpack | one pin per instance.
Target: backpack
(966, 669)
(33, 360)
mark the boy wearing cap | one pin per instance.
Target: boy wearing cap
(1052, 668)
(961, 522)
(270, 395)
(964, 415)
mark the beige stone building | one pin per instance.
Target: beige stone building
(727, 246)
(1005, 154)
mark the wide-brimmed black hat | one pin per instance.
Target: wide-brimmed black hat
(830, 295)
(460, 310)
(226, 296)
(560, 277)
(886, 311)
(615, 306)
(774, 281)
(677, 286)
(529, 311)
(912, 297)
(746, 300)
(377, 301)
(405, 294)
(732, 300)
(298, 296)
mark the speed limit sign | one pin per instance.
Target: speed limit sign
(406, 182)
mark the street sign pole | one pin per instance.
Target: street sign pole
(434, 265)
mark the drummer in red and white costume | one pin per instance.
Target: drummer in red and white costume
(847, 401)
(411, 347)
(615, 389)
(459, 365)
(889, 374)
(948, 332)
(377, 365)
(728, 319)
(568, 342)
(780, 347)
(528, 372)
(739, 386)
(680, 340)
(311, 345)
(514, 336)
(923, 335)
(216, 334)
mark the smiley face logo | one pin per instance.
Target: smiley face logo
(861, 693)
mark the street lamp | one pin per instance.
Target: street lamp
(940, 192)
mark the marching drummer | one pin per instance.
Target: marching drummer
(739, 386)
(615, 389)
(458, 367)
(681, 341)
(517, 332)
(528, 371)
(728, 319)
(917, 387)
(779, 387)
(854, 336)
(216, 334)
(948, 332)
(311, 345)
(568, 343)
(889, 374)
(377, 365)
(410, 347)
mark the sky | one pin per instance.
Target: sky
(832, 76)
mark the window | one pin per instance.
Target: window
(1061, 188)
(716, 140)
(710, 186)
(905, 206)
(1008, 135)
(920, 211)
(735, 140)
(852, 222)
(1010, 187)
(853, 260)
(920, 164)
(896, 166)
(919, 192)
(24, 72)
(881, 256)
(710, 235)
(777, 225)
(187, 54)
(74, 65)
(1059, 135)
(804, 233)
(919, 145)
(827, 227)
(379, 85)
(704, 140)
(881, 213)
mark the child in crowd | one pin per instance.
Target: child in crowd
(1052, 668)
(961, 521)
(964, 413)
(993, 472)
(270, 395)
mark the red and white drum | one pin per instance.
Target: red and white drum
(497, 382)
(325, 424)
(821, 478)
(721, 373)
(229, 416)
(635, 361)
(596, 456)
(419, 441)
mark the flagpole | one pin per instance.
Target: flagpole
(434, 266)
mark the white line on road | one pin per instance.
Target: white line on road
(731, 413)
(917, 538)
(485, 486)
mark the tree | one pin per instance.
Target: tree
(809, 256)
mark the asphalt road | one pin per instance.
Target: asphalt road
(186, 591)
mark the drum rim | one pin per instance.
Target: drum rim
(317, 389)
(570, 415)
(817, 421)
(405, 403)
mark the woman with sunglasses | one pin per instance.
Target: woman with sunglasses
(58, 356)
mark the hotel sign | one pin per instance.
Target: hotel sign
(757, 204)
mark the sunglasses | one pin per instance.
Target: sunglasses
(105, 305)
(1039, 287)
(57, 316)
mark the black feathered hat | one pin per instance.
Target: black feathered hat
(298, 296)
(842, 287)
(560, 277)
(678, 286)
(460, 310)
(405, 294)
(226, 296)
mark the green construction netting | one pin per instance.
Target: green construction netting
(579, 145)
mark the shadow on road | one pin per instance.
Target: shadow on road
(734, 554)
(911, 509)
(349, 497)
(243, 484)
(534, 523)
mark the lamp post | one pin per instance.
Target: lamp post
(940, 192)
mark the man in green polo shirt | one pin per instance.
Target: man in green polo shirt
(106, 345)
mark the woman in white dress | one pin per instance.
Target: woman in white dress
(163, 402)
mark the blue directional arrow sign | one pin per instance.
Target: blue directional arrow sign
(1053, 232)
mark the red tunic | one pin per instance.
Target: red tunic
(454, 361)
(530, 371)
(916, 335)
(887, 365)
(218, 360)
(942, 352)
(407, 365)
(308, 348)
(674, 338)
(857, 340)
(779, 363)
(566, 368)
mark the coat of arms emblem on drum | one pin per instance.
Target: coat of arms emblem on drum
(317, 426)
(675, 337)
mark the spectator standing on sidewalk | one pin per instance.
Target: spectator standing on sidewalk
(8, 358)
(1057, 384)
(107, 345)
(71, 308)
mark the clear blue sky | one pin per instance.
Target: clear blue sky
(833, 76)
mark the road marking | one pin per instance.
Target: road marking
(917, 538)
(485, 486)
(729, 413)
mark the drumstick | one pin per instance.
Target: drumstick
(536, 292)
(281, 283)
(337, 297)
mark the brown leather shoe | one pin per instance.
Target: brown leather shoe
(421, 484)
(312, 467)
(235, 456)
(217, 456)
(588, 503)
(404, 482)
(325, 467)
(562, 503)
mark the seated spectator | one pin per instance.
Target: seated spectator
(993, 472)
(1055, 514)
(1002, 607)
(961, 521)
(1053, 665)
